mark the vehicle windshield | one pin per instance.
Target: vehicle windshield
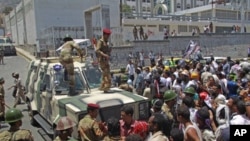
(62, 85)
(93, 76)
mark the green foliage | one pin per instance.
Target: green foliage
(123, 70)
(126, 9)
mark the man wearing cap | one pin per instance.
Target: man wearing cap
(103, 52)
(2, 101)
(68, 63)
(89, 128)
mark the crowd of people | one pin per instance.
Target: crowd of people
(201, 99)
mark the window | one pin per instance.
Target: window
(62, 85)
(47, 82)
(182, 28)
(93, 76)
(178, 5)
(161, 27)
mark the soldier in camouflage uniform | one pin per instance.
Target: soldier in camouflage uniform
(1, 56)
(14, 118)
(2, 102)
(65, 128)
(103, 51)
(89, 128)
(20, 89)
(67, 61)
(169, 107)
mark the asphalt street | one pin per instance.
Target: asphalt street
(19, 65)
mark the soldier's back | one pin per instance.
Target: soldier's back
(5, 136)
(22, 134)
(86, 128)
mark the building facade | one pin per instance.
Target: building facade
(35, 19)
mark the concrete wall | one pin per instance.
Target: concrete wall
(234, 45)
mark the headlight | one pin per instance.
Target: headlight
(144, 110)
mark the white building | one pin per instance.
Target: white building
(31, 18)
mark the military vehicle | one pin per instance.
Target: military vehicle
(7, 46)
(48, 99)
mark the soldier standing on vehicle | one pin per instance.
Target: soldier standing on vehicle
(89, 128)
(65, 128)
(20, 89)
(2, 101)
(68, 63)
(103, 51)
(14, 117)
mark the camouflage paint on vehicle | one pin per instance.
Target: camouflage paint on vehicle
(76, 101)
(28, 76)
(38, 93)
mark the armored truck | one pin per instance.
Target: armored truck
(48, 99)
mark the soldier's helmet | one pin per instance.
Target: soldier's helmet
(190, 90)
(65, 123)
(169, 95)
(13, 115)
(67, 38)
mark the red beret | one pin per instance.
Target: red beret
(107, 31)
(94, 106)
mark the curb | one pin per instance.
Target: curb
(22, 53)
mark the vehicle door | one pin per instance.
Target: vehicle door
(46, 97)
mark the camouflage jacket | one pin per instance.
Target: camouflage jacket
(102, 48)
(89, 129)
(22, 134)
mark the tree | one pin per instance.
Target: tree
(7, 10)
(126, 9)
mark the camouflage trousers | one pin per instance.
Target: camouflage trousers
(2, 108)
(68, 64)
(106, 76)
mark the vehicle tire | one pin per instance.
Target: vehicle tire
(31, 114)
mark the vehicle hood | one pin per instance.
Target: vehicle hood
(76, 104)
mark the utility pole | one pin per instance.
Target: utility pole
(24, 24)
(17, 34)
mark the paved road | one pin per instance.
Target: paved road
(20, 65)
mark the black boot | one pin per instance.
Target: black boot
(72, 91)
